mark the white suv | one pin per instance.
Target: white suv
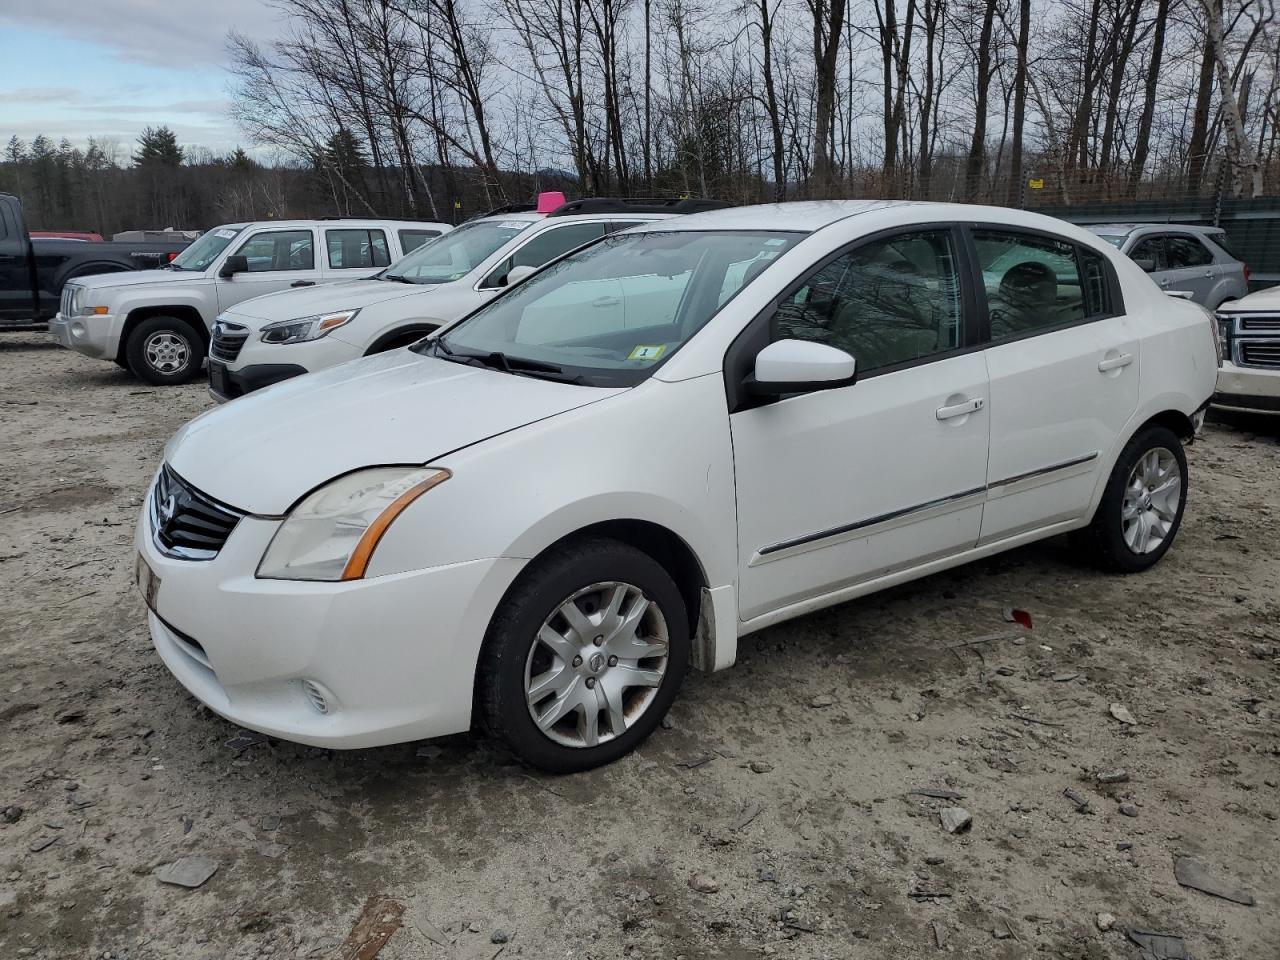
(157, 322)
(539, 519)
(1249, 380)
(270, 339)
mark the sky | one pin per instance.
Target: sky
(108, 68)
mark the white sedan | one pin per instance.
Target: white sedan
(539, 520)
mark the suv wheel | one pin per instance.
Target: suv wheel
(1142, 506)
(584, 656)
(165, 350)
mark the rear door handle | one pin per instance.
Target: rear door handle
(960, 409)
(1115, 363)
(303, 283)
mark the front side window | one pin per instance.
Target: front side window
(608, 315)
(351, 249)
(1148, 253)
(279, 250)
(206, 248)
(886, 302)
(1031, 282)
(458, 252)
(1184, 252)
(544, 248)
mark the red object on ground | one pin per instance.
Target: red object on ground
(67, 235)
(550, 200)
(1014, 615)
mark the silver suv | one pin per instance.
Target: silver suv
(1182, 258)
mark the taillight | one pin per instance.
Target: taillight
(1246, 272)
(174, 256)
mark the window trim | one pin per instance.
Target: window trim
(270, 230)
(369, 231)
(977, 282)
(741, 353)
(510, 254)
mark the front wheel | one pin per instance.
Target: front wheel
(584, 656)
(1141, 508)
(164, 351)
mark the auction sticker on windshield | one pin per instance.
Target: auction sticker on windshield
(647, 353)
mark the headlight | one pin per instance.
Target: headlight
(306, 328)
(331, 535)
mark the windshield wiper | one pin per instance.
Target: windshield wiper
(517, 366)
(398, 278)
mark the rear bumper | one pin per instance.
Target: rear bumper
(229, 384)
(93, 336)
(1250, 389)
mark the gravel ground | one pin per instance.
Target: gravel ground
(770, 817)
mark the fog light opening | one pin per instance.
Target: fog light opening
(318, 696)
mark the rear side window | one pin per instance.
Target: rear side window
(1031, 282)
(1221, 240)
(886, 302)
(412, 239)
(279, 250)
(356, 249)
(1184, 251)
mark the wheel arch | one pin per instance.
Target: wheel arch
(178, 311)
(416, 330)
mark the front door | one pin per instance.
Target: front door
(841, 486)
(1063, 363)
(278, 259)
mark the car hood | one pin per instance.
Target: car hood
(262, 452)
(132, 278)
(1268, 299)
(308, 301)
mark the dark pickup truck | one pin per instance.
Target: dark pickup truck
(32, 273)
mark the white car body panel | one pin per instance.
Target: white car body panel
(786, 507)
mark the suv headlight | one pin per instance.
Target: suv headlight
(332, 533)
(303, 329)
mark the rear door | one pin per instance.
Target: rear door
(355, 252)
(1190, 266)
(277, 259)
(1063, 363)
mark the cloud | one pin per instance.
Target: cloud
(167, 33)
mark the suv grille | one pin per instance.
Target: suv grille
(1260, 354)
(64, 304)
(1259, 323)
(185, 523)
(228, 339)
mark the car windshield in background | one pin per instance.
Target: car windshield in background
(609, 314)
(456, 253)
(205, 250)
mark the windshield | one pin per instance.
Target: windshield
(206, 248)
(611, 313)
(456, 253)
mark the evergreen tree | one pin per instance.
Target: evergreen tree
(241, 161)
(16, 151)
(158, 146)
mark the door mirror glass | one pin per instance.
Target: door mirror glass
(800, 366)
(517, 274)
(234, 264)
(1146, 264)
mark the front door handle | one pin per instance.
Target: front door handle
(605, 302)
(960, 409)
(303, 283)
(1115, 363)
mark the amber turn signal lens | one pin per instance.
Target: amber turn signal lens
(358, 562)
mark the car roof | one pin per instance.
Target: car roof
(337, 222)
(1124, 229)
(527, 216)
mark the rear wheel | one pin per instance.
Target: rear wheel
(1141, 508)
(584, 656)
(165, 350)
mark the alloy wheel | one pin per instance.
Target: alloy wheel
(166, 352)
(596, 664)
(1151, 497)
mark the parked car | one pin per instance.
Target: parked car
(269, 339)
(157, 322)
(34, 269)
(1179, 257)
(539, 518)
(1249, 379)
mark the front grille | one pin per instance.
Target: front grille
(228, 340)
(1260, 354)
(1262, 322)
(64, 305)
(186, 523)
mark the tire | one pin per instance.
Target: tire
(1131, 529)
(595, 675)
(165, 351)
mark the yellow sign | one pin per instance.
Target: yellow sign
(1036, 183)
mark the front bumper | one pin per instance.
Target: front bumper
(394, 656)
(1250, 389)
(94, 336)
(227, 384)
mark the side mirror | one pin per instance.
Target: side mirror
(799, 366)
(516, 274)
(232, 265)
(1146, 264)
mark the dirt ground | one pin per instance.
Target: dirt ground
(782, 784)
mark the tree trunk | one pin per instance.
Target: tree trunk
(1016, 174)
(1142, 147)
(978, 148)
